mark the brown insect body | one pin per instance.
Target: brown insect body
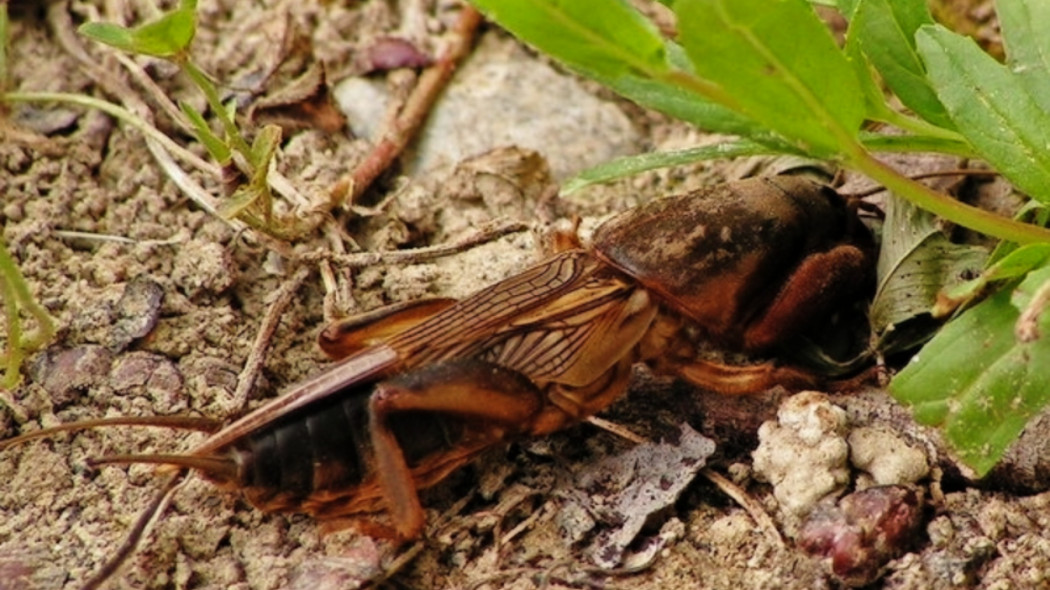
(559, 337)
(516, 371)
(424, 388)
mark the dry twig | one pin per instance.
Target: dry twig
(363, 259)
(257, 355)
(412, 116)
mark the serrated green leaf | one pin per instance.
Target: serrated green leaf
(885, 31)
(631, 165)
(215, 146)
(684, 105)
(167, 36)
(977, 381)
(991, 108)
(606, 38)
(779, 64)
(1027, 43)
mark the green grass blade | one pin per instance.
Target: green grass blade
(215, 146)
(631, 165)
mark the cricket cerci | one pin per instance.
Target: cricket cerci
(420, 389)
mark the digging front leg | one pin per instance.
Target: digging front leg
(819, 283)
(497, 402)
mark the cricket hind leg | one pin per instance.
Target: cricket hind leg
(490, 402)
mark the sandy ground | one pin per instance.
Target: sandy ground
(158, 306)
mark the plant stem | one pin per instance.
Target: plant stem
(15, 293)
(879, 142)
(923, 196)
(119, 113)
(920, 127)
(211, 94)
(13, 357)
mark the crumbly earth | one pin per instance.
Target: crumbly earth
(158, 305)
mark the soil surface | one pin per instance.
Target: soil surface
(159, 306)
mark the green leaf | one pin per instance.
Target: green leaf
(885, 31)
(631, 165)
(977, 381)
(874, 98)
(1027, 43)
(263, 149)
(239, 203)
(606, 38)
(991, 108)
(780, 66)
(687, 106)
(167, 36)
(215, 146)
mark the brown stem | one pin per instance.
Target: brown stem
(416, 255)
(412, 116)
(257, 356)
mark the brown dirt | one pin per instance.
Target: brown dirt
(64, 169)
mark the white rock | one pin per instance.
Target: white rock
(887, 457)
(502, 96)
(804, 454)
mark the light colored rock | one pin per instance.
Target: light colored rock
(503, 97)
(804, 454)
(887, 457)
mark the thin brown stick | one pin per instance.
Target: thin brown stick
(524, 525)
(753, 508)
(131, 542)
(618, 429)
(414, 113)
(406, 556)
(364, 259)
(257, 355)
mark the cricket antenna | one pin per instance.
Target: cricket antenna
(180, 422)
(131, 542)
